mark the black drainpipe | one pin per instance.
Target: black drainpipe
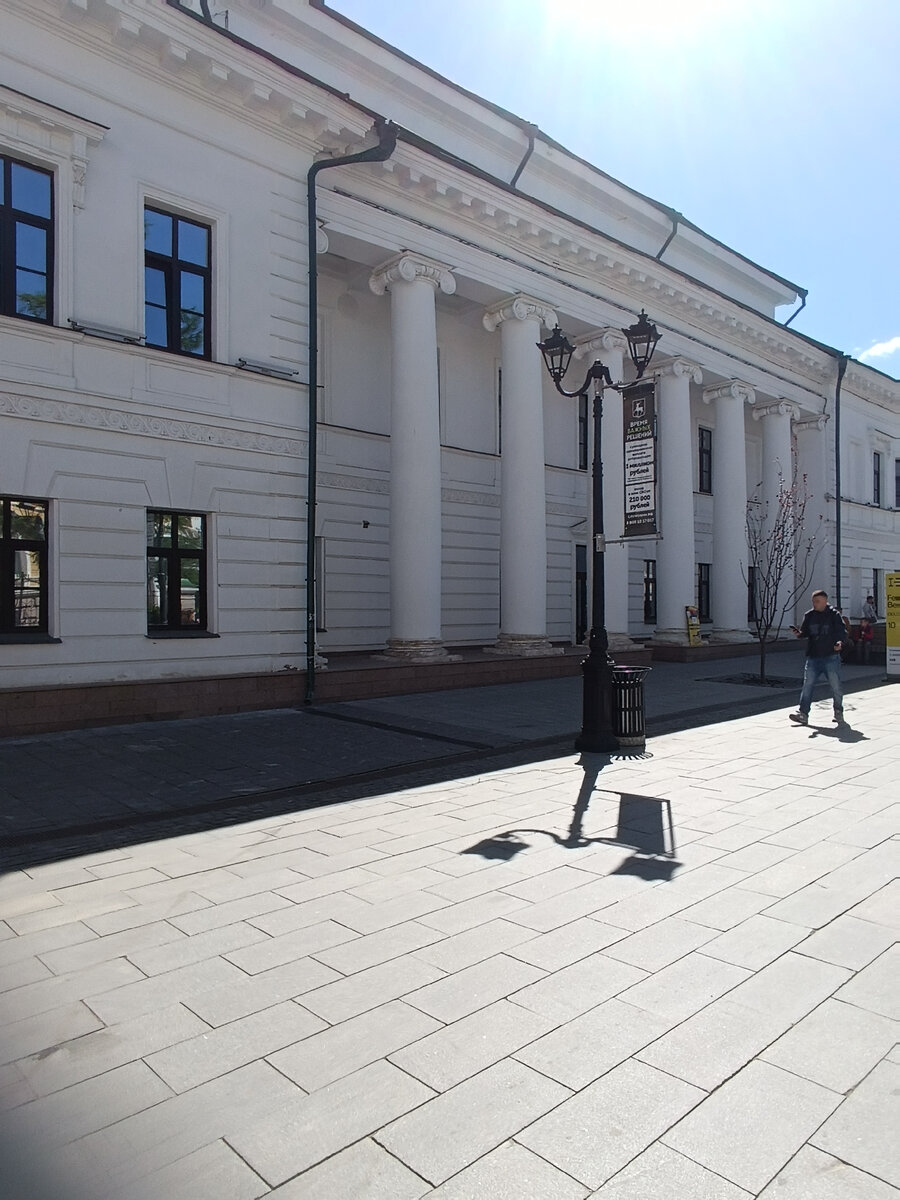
(387, 141)
(532, 130)
(674, 217)
(797, 311)
(842, 367)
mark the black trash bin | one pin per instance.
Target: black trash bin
(628, 705)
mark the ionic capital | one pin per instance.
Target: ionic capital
(811, 424)
(518, 308)
(410, 268)
(780, 408)
(321, 241)
(609, 340)
(734, 389)
(679, 367)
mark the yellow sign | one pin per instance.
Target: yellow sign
(892, 613)
(692, 617)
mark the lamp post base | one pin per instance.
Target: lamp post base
(597, 731)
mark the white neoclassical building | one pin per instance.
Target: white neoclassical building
(184, 530)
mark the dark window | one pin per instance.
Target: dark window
(650, 591)
(897, 483)
(26, 241)
(23, 565)
(177, 284)
(176, 571)
(583, 433)
(751, 594)
(704, 611)
(581, 593)
(876, 478)
(705, 460)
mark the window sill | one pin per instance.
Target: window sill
(28, 639)
(168, 634)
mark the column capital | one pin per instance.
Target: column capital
(810, 424)
(604, 339)
(321, 240)
(734, 389)
(408, 268)
(780, 408)
(517, 308)
(679, 367)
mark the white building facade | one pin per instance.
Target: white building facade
(154, 366)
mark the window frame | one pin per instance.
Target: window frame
(10, 219)
(704, 460)
(877, 477)
(8, 548)
(704, 591)
(174, 555)
(173, 268)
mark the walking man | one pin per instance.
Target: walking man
(824, 630)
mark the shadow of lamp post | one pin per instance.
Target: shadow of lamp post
(598, 727)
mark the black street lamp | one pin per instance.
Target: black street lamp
(598, 731)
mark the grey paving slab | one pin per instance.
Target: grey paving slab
(242, 996)
(751, 1126)
(607, 1124)
(474, 987)
(836, 1045)
(812, 1175)
(510, 1173)
(566, 945)
(211, 1173)
(882, 908)
(574, 989)
(173, 987)
(727, 909)
(456, 1128)
(661, 944)
(756, 942)
(583, 1049)
(46, 1031)
(270, 952)
(363, 1171)
(863, 1131)
(469, 1045)
(371, 949)
(684, 987)
(368, 989)
(660, 1173)
(355, 1043)
(877, 986)
(311, 1128)
(474, 945)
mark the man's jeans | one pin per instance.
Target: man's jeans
(830, 668)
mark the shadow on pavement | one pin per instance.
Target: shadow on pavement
(841, 733)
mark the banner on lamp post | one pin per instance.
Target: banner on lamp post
(639, 425)
(892, 621)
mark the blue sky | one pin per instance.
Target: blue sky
(771, 124)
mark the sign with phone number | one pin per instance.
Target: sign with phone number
(892, 612)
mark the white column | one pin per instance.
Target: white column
(778, 474)
(523, 496)
(675, 558)
(608, 345)
(812, 471)
(415, 539)
(729, 484)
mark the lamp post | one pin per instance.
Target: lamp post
(597, 725)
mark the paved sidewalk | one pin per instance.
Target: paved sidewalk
(65, 791)
(672, 977)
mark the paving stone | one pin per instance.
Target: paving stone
(457, 888)
(453, 1130)
(240, 998)
(211, 1173)
(362, 1172)
(593, 897)
(801, 869)
(812, 1175)
(836, 1045)
(371, 949)
(62, 914)
(86, 1107)
(334, 907)
(575, 989)
(289, 947)
(726, 909)
(230, 912)
(95, 1053)
(662, 1174)
(20, 974)
(510, 1173)
(882, 908)
(661, 944)
(145, 914)
(848, 942)
(342, 1049)
(875, 987)
(863, 1131)
(221, 892)
(466, 915)
(712, 1045)
(684, 987)
(103, 949)
(755, 942)
(456, 1052)
(752, 1125)
(218, 1051)
(312, 1128)
(588, 1046)
(45, 1032)
(198, 948)
(654, 904)
(474, 987)
(604, 1126)
(757, 856)
(567, 944)
(368, 989)
(136, 999)
(474, 945)
(376, 890)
